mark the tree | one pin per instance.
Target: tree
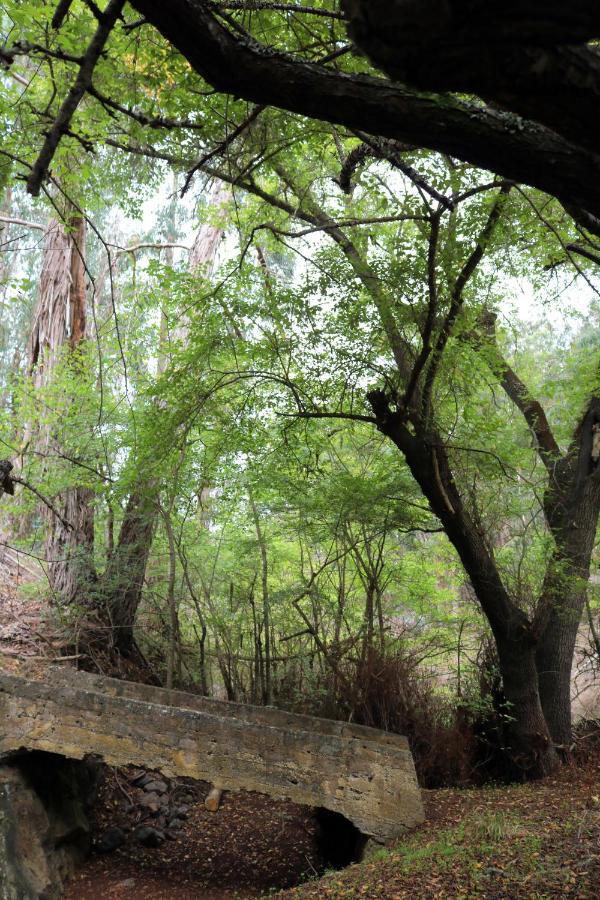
(126, 568)
(535, 652)
(530, 64)
(523, 117)
(57, 336)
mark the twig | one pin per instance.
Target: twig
(44, 500)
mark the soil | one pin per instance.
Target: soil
(250, 846)
(516, 842)
(535, 841)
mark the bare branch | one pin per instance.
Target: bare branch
(457, 297)
(10, 220)
(44, 500)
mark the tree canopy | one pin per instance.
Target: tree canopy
(267, 404)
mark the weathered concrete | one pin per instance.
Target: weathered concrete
(366, 775)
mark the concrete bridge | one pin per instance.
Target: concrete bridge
(366, 775)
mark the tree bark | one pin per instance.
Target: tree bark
(266, 604)
(518, 149)
(572, 506)
(530, 743)
(123, 579)
(60, 321)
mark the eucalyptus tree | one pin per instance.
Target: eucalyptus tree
(58, 332)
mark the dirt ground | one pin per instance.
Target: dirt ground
(527, 842)
(252, 845)
(536, 841)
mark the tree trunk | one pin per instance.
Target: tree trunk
(529, 742)
(123, 579)
(571, 507)
(262, 544)
(60, 321)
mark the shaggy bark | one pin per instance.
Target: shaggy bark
(60, 323)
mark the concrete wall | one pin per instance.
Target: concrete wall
(364, 774)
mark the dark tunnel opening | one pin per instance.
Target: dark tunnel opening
(339, 841)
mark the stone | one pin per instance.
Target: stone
(156, 787)
(142, 779)
(44, 830)
(176, 824)
(111, 840)
(178, 812)
(148, 836)
(151, 802)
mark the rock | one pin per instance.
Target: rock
(44, 831)
(148, 836)
(142, 779)
(176, 824)
(178, 812)
(156, 787)
(151, 802)
(111, 839)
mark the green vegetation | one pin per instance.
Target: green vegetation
(310, 413)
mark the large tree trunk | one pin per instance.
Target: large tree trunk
(123, 581)
(571, 506)
(529, 741)
(59, 323)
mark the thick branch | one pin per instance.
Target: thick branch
(518, 150)
(517, 54)
(531, 409)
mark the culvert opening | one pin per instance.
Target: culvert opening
(340, 843)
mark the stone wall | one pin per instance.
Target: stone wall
(366, 775)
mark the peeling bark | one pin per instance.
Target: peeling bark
(60, 322)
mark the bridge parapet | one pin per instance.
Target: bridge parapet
(366, 775)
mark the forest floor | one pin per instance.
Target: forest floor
(538, 840)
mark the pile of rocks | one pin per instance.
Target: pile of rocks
(155, 810)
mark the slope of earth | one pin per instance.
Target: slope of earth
(535, 841)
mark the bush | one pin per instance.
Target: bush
(388, 691)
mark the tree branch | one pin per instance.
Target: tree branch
(518, 150)
(531, 409)
(73, 99)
